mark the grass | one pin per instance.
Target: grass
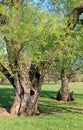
(55, 115)
(48, 103)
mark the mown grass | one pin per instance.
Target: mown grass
(55, 115)
(48, 95)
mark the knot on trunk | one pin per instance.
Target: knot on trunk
(32, 92)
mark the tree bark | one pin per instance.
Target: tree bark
(26, 93)
(7, 74)
(27, 82)
(63, 92)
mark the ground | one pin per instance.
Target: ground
(54, 115)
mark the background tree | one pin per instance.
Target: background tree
(69, 12)
(69, 53)
(69, 42)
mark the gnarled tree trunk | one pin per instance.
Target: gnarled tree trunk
(26, 92)
(27, 82)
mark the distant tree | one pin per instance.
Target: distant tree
(70, 57)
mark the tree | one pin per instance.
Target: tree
(25, 59)
(18, 33)
(68, 63)
(67, 57)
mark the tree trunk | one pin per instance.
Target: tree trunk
(25, 103)
(26, 94)
(27, 83)
(63, 92)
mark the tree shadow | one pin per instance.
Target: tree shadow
(48, 94)
(53, 94)
(79, 96)
(6, 97)
(51, 105)
(47, 103)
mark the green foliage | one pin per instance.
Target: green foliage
(32, 31)
(31, 34)
(70, 41)
(22, 31)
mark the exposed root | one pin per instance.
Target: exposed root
(76, 111)
(4, 112)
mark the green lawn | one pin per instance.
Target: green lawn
(55, 115)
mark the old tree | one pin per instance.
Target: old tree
(25, 47)
(19, 36)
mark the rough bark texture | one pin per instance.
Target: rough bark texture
(27, 88)
(26, 92)
(27, 83)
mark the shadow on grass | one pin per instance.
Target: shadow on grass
(79, 96)
(48, 94)
(47, 103)
(6, 97)
(53, 94)
(53, 107)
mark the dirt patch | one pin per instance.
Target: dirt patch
(4, 112)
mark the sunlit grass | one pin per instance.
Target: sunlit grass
(58, 121)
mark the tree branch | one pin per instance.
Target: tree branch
(47, 64)
(74, 17)
(7, 74)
